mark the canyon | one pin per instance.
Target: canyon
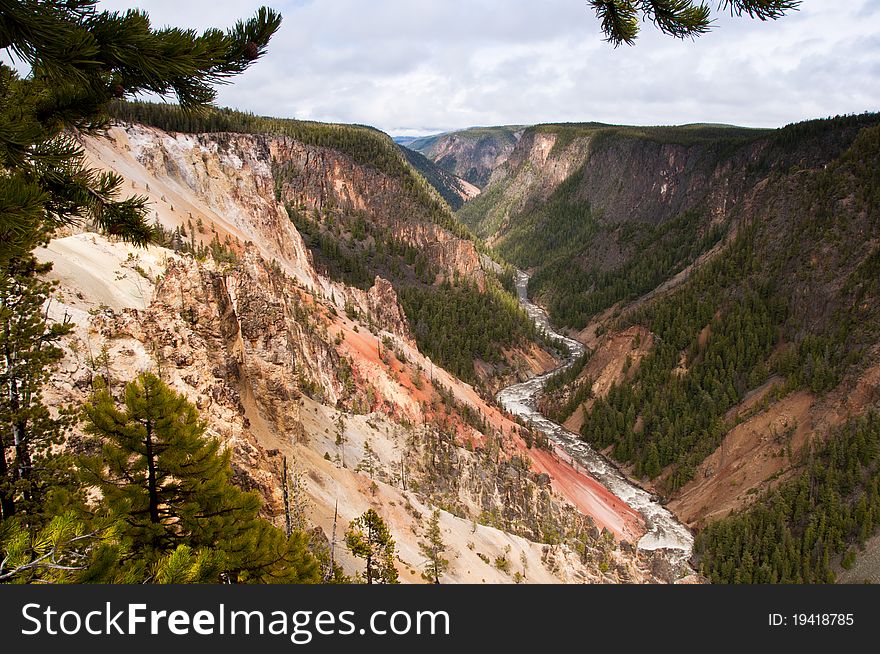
(283, 362)
(282, 300)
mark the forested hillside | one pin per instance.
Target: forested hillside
(605, 214)
(767, 307)
(365, 145)
(795, 534)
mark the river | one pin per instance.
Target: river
(664, 531)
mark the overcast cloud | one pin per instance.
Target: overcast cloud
(421, 66)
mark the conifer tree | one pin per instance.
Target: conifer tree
(28, 432)
(81, 59)
(432, 549)
(166, 485)
(370, 462)
(652, 462)
(368, 538)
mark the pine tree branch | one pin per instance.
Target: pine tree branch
(41, 561)
(761, 9)
(680, 19)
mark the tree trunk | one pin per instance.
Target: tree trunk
(333, 542)
(23, 457)
(371, 540)
(19, 438)
(151, 476)
(7, 501)
(7, 498)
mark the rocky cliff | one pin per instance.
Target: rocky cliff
(232, 182)
(311, 207)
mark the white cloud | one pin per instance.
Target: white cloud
(418, 66)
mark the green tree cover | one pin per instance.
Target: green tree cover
(758, 297)
(442, 180)
(795, 533)
(579, 391)
(351, 248)
(182, 240)
(565, 377)
(433, 548)
(165, 485)
(573, 288)
(559, 237)
(681, 414)
(721, 137)
(507, 278)
(197, 526)
(32, 470)
(560, 412)
(570, 232)
(170, 512)
(481, 216)
(468, 414)
(576, 290)
(455, 324)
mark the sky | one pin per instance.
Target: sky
(413, 67)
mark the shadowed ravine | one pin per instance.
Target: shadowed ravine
(664, 532)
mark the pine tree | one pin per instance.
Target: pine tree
(432, 549)
(81, 59)
(29, 464)
(652, 462)
(370, 462)
(166, 485)
(368, 538)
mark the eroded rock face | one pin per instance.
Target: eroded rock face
(241, 342)
(274, 372)
(451, 254)
(533, 172)
(252, 343)
(224, 179)
(383, 305)
(473, 154)
(228, 182)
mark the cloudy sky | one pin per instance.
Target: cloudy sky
(423, 66)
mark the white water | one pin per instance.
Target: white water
(664, 532)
